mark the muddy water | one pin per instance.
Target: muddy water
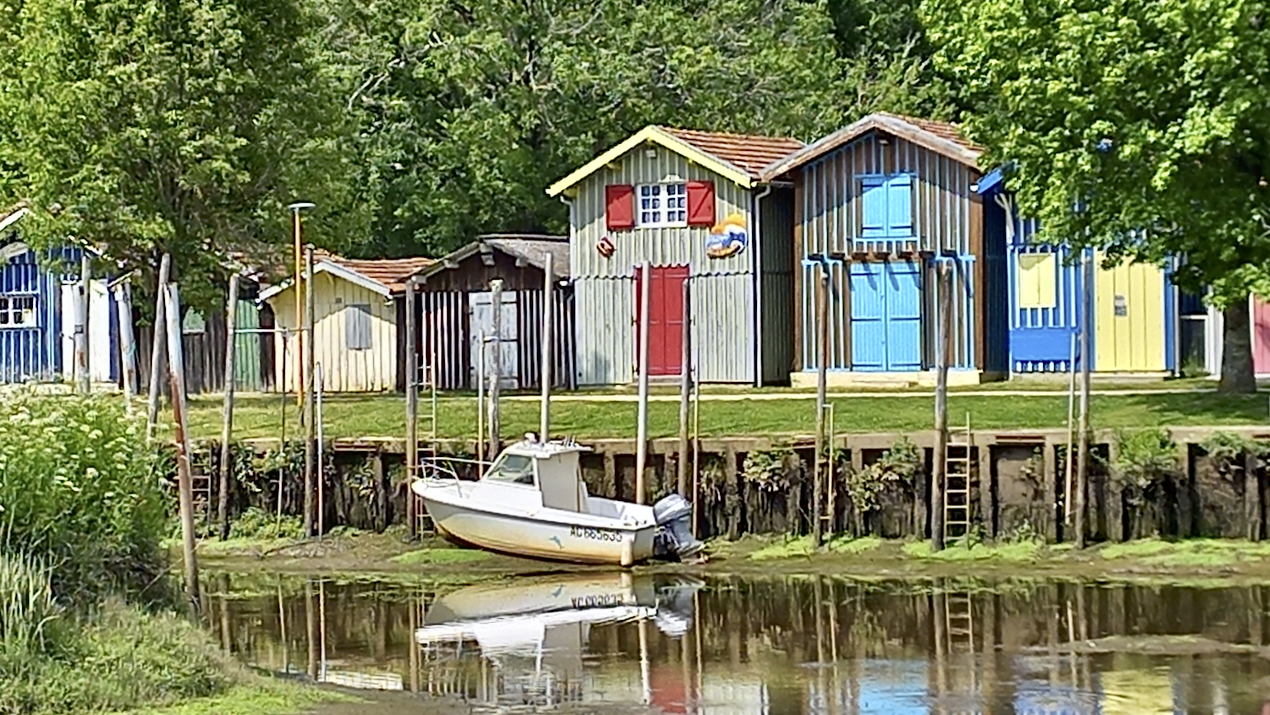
(616, 643)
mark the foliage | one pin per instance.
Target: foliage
(29, 617)
(1134, 127)
(1227, 451)
(77, 490)
(257, 523)
(186, 126)
(898, 467)
(1146, 459)
(768, 470)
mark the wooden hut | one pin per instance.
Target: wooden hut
(693, 206)
(456, 308)
(356, 334)
(878, 204)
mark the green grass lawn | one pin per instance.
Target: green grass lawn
(384, 416)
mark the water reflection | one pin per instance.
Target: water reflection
(745, 645)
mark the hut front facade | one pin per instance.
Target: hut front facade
(355, 332)
(878, 206)
(1133, 306)
(693, 206)
(456, 313)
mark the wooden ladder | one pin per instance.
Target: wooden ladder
(426, 446)
(201, 476)
(957, 507)
(959, 629)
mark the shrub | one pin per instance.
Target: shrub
(898, 467)
(78, 491)
(256, 523)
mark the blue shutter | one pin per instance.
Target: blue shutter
(873, 193)
(899, 206)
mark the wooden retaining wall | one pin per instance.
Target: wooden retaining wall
(1018, 486)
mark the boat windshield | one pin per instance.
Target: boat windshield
(515, 468)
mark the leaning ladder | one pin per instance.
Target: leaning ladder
(426, 446)
(201, 486)
(957, 509)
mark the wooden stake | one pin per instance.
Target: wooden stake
(227, 412)
(496, 367)
(1086, 365)
(943, 356)
(185, 480)
(822, 378)
(685, 390)
(548, 315)
(641, 440)
(158, 346)
(310, 457)
(412, 409)
(127, 343)
(84, 377)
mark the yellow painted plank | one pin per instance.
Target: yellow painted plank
(1129, 318)
(1038, 280)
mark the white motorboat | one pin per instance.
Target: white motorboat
(533, 502)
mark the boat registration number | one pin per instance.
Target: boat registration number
(588, 532)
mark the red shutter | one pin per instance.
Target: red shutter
(619, 203)
(700, 203)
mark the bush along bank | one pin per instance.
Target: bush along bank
(87, 624)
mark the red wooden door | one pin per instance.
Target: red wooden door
(665, 319)
(1260, 336)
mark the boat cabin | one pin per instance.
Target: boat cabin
(551, 468)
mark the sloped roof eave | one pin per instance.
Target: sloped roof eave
(857, 129)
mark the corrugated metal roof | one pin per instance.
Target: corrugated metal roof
(750, 152)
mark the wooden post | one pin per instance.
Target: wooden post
(310, 457)
(1086, 363)
(158, 346)
(548, 315)
(185, 480)
(943, 350)
(685, 392)
(480, 395)
(1252, 501)
(227, 426)
(641, 439)
(822, 379)
(84, 377)
(127, 343)
(496, 368)
(412, 408)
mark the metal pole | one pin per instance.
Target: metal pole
(641, 443)
(158, 345)
(496, 366)
(310, 458)
(1086, 360)
(227, 427)
(321, 470)
(185, 486)
(943, 350)
(299, 320)
(81, 330)
(548, 316)
(1071, 430)
(412, 407)
(822, 379)
(127, 343)
(685, 390)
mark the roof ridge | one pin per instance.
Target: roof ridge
(729, 134)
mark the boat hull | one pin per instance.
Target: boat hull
(541, 539)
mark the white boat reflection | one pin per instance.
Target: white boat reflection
(532, 636)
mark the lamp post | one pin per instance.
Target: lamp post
(298, 254)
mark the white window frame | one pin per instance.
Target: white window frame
(653, 207)
(10, 307)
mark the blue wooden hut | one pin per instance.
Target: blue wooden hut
(878, 205)
(1133, 306)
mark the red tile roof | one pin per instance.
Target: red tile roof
(747, 152)
(945, 130)
(391, 272)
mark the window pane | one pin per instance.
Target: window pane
(645, 191)
(357, 326)
(656, 203)
(516, 468)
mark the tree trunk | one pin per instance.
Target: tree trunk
(1236, 361)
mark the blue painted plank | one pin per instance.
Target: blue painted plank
(899, 194)
(873, 194)
(868, 317)
(903, 316)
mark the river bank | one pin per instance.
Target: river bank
(364, 554)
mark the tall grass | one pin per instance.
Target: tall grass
(78, 490)
(28, 614)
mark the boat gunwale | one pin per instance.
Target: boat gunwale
(467, 503)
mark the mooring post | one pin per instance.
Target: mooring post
(185, 480)
(1086, 365)
(943, 350)
(227, 426)
(822, 379)
(310, 350)
(496, 366)
(548, 315)
(158, 345)
(641, 439)
(1252, 501)
(81, 330)
(127, 344)
(685, 393)
(412, 408)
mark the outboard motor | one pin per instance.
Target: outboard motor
(674, 515)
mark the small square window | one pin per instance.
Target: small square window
(663, 205)
(17, 311)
